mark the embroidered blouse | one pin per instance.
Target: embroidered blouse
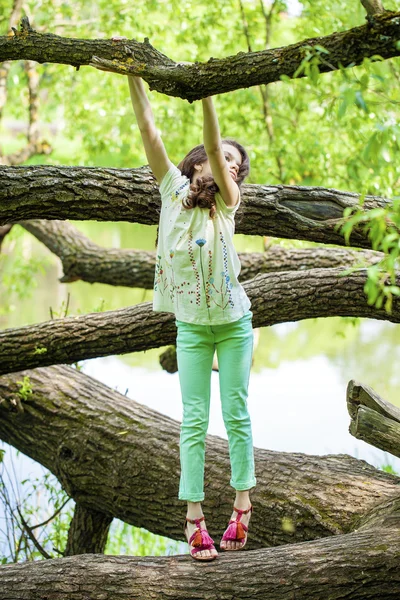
(197, 266)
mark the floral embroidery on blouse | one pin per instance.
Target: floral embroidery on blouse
(160, 280)
(194, 266)
(220, 296)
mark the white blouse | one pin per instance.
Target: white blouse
(197, 266)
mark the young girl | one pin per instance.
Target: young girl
(196, 279)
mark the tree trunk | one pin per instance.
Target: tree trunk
(87, 532)
(356, 566)
(118, 457)
(85, 193)
(199, 80)
(84, 260)
(275, 298)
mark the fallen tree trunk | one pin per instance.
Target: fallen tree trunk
(275, 298)
(111, 454)
(374, 420)
(84, 260)
(84, 193)
(356, 566)
(199, 80)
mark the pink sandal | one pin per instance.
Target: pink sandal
(199, 540)
(236, 531)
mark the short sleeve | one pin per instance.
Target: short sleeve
(227, 209)
(173, 184)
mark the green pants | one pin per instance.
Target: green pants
(195, 346)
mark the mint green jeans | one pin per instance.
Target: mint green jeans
(195, 347)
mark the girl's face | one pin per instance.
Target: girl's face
(233, 159)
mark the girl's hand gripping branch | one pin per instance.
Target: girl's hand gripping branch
(153, 144)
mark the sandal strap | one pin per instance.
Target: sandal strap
(195, 521)
(242, 512)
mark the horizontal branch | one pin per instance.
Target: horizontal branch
(374, 420)
(84, 260)
(84, 193)
(275, 298)
(121, 458)
(199, 80)
(359, 566)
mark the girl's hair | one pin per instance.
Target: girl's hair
(202, 191)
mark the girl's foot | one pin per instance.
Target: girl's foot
(207, 553)
(238, 527)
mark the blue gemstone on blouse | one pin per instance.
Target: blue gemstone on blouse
(200, 242)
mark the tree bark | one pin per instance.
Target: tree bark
(84, 260)
(118, 457)
(275, 298)
(374, 420)
(199, 80)
(88, 531)
(84, 193)
(373, 7)
(356, 566)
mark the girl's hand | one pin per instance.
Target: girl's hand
(103, 64)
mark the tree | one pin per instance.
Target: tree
(345, 511)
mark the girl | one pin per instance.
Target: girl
(196, 279)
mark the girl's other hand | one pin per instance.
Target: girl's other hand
(118, 38)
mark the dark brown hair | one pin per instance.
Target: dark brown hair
(202, 191)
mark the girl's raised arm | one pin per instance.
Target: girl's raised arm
(154, 147)
(217, 157)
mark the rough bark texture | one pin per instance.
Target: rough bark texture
(373, 428)
(112, 454)
(84, 260)
(84, 193)
(357, 566)
(199, 80)
(88, 531)
(275, 298)
(374, 420)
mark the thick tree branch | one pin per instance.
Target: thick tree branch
(198, 80)
(84, 260)
(275, 298)
(84, 193)
(112, 454)
(357, 566)
(373, 419)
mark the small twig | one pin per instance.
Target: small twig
(31, 536)
(52, 516)
(67, 306)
